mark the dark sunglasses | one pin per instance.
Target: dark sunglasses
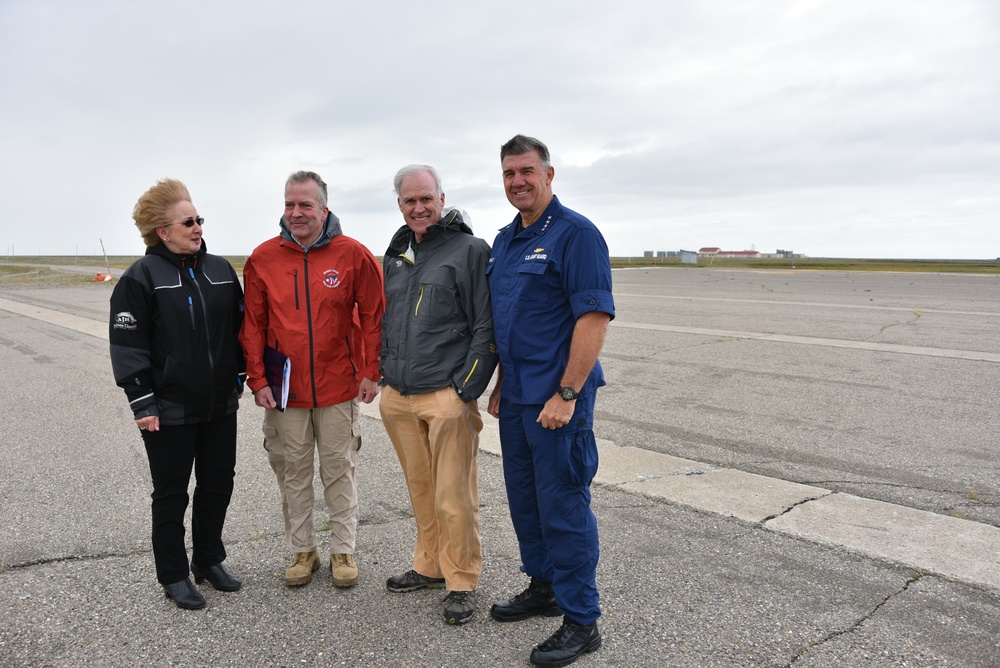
(191, 221)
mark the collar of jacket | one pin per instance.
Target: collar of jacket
(182, 261)
(331, 228)
(552, 211)
(451, 223)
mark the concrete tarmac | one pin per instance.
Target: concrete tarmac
(763, 498)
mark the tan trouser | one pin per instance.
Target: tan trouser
(436, 437)
(291, 438)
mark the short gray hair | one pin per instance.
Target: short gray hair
(305, 177)
(412, 170)
(521, 144)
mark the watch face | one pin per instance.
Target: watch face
(568, 393)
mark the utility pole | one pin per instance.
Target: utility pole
(106, 260)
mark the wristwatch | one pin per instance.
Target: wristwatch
(568, 394)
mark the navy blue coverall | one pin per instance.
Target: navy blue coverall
(542, 278)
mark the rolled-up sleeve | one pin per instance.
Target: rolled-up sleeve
(587, 274)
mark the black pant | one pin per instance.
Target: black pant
(211, 448)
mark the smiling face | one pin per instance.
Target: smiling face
(177, 237)
(303, 214)
(420, 202)
(528, 184)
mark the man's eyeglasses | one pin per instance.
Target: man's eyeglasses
(190, 222)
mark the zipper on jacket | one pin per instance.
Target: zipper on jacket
(191, 311)
(295, 281)
(475, 363)
(208, 333)
(309, 322)
(416, 310)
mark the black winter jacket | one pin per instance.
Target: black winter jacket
(174, 325)
(438, 325)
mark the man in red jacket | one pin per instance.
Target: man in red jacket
(316, 296)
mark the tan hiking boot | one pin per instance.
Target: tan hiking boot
(344, 569)
(304, 564)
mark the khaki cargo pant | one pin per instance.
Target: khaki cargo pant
(293, 440)
(436, 437)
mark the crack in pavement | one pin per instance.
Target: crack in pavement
(791, 508)
(855, 626)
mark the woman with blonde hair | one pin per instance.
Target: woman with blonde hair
(175, 318)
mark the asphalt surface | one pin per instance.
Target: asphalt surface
(798, 469)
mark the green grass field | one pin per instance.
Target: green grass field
(827, 264)
(31, 269)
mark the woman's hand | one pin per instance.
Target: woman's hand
(149, 423)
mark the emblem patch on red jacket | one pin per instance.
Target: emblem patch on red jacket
(331, 278)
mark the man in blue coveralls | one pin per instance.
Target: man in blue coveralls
(550, 280)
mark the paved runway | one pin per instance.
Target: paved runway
(797, 469)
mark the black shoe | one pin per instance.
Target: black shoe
(217, 576)
(412, 581)
(537, 599)
(184, 595)
(567, 644)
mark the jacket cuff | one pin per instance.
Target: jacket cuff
(148, 411)
(256, 384)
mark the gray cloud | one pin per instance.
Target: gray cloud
(837, 128)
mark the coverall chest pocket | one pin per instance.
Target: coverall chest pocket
(533, 282)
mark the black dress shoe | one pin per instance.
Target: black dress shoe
(184, 595)
(217, 576)
(537, 599)
(567, 644)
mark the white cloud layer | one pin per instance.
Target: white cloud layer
(850, 128)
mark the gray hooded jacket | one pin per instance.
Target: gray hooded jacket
(437, 330)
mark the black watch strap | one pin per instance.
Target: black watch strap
(568, 394)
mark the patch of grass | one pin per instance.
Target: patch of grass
(15, 270)
(828, 264)
(26, 276)
(121, 262)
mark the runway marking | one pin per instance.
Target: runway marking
(771, 302)
(100, 330)
(725, 492)
(74, 322)
(816, 341)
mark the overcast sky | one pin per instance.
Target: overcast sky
(846, 128)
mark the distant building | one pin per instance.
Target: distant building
(714, 251)
(689, 257)
(742, 255)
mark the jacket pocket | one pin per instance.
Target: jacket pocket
(437, 303)
(535, 283)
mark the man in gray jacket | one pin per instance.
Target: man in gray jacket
(438, 355)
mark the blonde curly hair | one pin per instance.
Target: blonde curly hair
(153, 208)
